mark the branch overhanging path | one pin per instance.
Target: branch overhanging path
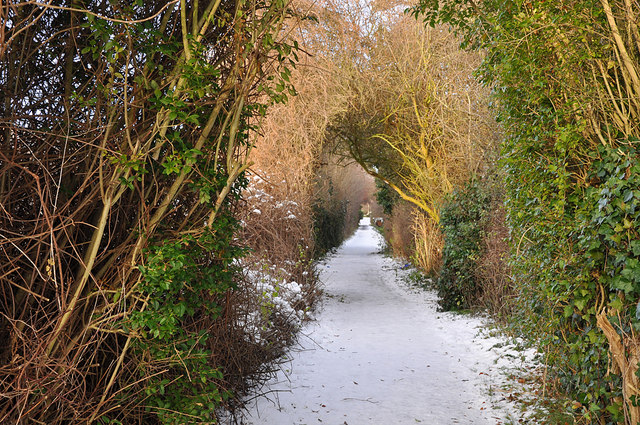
(380, 353)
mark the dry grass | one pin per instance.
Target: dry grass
(428, 243)
(414, 235)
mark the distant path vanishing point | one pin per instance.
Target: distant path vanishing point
(379, 353)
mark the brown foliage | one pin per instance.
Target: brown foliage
(347, 185)
(417, 117)
(291, 165)
(398, 230)
(277, 226)
(493, 272)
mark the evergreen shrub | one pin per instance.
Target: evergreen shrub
(328, 225)
(462, 220)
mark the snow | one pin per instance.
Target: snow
(276, 297)
(379, 352)
(260, 200)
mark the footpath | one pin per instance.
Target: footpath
(380, 353)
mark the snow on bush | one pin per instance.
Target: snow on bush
(279, 283)
(278, 304)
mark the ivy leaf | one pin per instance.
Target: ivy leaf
(617, 304)
(580, 303)
(568, 310)
(632, 270)
(622, 283)
(628, 195)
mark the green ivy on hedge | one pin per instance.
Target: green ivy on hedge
(571, 181)
(386, 196)
(462, 222)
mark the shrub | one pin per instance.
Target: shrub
(398, 230)
(387, 197)
(122, 160)
(461, 220)
(492, 267)
(328, 225)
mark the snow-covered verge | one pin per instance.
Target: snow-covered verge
(379, 352)
(514, 381)
(506, 369)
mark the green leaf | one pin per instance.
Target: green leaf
(622, 283)
(580, 303)
(616, 304)
(568, 311)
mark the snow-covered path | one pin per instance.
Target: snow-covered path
(380, 353)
